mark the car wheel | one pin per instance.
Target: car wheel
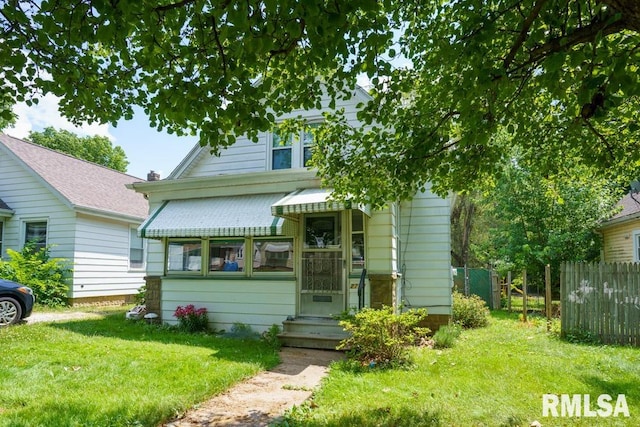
(10, 311)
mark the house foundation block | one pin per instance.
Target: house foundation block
(153, 295)
(382, 290)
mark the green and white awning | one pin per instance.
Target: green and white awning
(232, 216)
(312, 200)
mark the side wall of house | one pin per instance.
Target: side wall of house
(425, 253)
(618, 241)
(379, 235)
(33, 201)
(101, 267)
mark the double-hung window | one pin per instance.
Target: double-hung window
(1, 230)
(36, 233)
(289, 150)
(136, 249)
(636, 246)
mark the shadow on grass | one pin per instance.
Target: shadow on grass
(631, 389)
(383, 416)
(116, 326)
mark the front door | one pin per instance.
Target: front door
(322, 285)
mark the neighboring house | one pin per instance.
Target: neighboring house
(621, 233)
(252, 236)
(82, 210)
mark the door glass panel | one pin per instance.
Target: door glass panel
(322, 232)
(322, 272)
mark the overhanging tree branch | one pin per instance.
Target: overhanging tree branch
(526, 26)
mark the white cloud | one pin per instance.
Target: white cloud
(44, 114)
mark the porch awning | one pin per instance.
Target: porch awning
(312, 200)
(234, 216)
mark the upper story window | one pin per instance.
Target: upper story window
(36, 233)
(290, 151)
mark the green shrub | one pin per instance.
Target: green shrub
(470, 312)
(141, 297)
(446, 336)
(381, 337)
(37, 270)
(270, 336)
(242, 331)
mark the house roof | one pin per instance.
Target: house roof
(81, 184)
(4, 206)
(630, 204)
(629, 207)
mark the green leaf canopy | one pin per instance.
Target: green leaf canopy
(560, 77)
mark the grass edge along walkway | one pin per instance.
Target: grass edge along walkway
(114, 372)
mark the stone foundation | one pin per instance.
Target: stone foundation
(382, 288)
(153, 295)
(111, 300)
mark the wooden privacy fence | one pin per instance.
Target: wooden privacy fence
(602, 299)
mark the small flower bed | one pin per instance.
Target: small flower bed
(191, 319)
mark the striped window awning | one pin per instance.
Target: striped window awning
(232, 216)
(312, 200)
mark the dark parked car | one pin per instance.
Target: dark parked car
(16, 302)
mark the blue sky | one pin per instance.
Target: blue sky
(146, 148)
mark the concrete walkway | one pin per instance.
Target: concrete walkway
(263, 399)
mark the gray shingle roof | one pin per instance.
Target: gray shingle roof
(83, 184)
(4, 206)
(630, 204)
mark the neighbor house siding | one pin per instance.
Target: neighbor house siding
(618, 241)
(102, 259)
(259, 303)
(31, 200)
(426, 248)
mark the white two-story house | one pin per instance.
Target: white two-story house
(252, 236)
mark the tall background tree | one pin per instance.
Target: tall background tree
(526, 220)
(560, 76)
(96, 149)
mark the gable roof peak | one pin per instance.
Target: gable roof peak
(80, 183)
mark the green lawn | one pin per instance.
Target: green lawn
(114, 372)
(494, 376)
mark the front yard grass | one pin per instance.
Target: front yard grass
(114, 372)
(493, 376)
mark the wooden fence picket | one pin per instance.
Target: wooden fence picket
(602, 299)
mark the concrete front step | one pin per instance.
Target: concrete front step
(311, 340)
(310, 332)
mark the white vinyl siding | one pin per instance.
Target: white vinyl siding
(246, 156)
(259, 303)
(32, 201)
(426, 253)
(101, 265)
